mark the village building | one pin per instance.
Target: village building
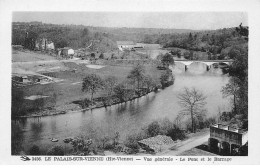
(24, 79)
(44, 44)
(66, 52)
(226, 140)
(128, 45)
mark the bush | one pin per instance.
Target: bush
(132, 142)
(56, 151)
(34, 150)
(176, 133)
(101, 56)
(153, 129)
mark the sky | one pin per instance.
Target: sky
(177, 20)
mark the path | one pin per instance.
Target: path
(193, 141)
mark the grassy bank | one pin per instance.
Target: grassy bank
(63, 96)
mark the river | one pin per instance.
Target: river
(130, 117)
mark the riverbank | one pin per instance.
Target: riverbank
(76, 106)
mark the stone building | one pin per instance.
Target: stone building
(226, 140)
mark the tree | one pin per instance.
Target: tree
(137, 75)
(34, 150)
(56, 151)
(238, 84)
(91, 84)
(122, 92)
(101, 56)
(192, 102)
(153, 129)
(231, 89)
(191, 55)
(167, 59)
(166, 78)
(186, 55)
(149, 83)
(109, 85)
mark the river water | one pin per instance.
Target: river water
(130, 117)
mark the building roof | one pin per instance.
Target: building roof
(157, 143)
(125, 43)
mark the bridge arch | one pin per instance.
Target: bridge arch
(208, 63)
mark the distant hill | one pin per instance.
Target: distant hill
(104, 39)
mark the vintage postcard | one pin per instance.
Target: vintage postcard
(126, 84)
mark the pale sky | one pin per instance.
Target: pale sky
(178, 20)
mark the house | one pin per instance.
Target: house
(24, 79)
(44, 44)
(66, 52)
(226, 140)
(125, 45)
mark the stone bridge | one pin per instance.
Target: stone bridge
(208, 63)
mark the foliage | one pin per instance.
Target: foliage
(149, 83)
(167, 59)
(192, 102)
(16, 139)
(17, 102)
(231, 89)
(176, 133)
(109, 84)
(176, 52)
(153, 129)
(166, 78)
(56, 151)
(238, 83)
(81, 145)
(101, 56)
(91, 84)
(122, 92)
(137, 75)
(132, 143)
(34, 150)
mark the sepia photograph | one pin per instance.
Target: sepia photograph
(129, 85)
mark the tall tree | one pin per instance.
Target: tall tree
(192, 102)
(109, 85)
(238, 83)
(91, 84)
(167, 59)
(231, 89)
(137, 75)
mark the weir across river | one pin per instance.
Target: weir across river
(208, 63)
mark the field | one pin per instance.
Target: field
(70, 74)
(28, 56)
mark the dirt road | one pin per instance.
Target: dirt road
(193, 141)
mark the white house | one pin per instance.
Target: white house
(122, 45)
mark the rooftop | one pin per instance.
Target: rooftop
(125, 43)
(229, 128)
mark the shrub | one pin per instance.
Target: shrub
(34, 150)
(56, 151)
(132, 142)
(101, 56)
(153, 129)
(176, 133)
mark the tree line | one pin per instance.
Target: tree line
(136, 84)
